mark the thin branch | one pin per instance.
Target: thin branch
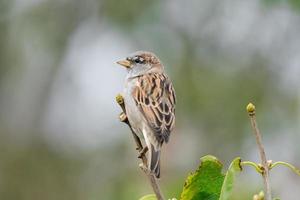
(139, 147)
(253, 164)
(293, 168)
(265, 174)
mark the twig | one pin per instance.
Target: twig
(139, 147)
(252, 164)
(265, 174)
(293, 168)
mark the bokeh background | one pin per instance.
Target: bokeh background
(60, 137)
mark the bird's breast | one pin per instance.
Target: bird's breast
(132, 111)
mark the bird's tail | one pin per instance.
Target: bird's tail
(154, 161)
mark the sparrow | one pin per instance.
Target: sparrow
(150, 100)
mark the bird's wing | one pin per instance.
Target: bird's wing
(155, 97)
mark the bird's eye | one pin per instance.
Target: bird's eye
(138, 60)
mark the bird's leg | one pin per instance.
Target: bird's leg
(143, 151)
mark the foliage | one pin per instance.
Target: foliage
(208, 181)
(234, 169)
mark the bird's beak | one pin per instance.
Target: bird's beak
(125, 63)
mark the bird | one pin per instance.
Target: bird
(150, 99)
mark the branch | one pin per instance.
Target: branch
(265, 174)
(293, 168)
(139, 147)
(253, 164)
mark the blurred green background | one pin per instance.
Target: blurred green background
(60, 137)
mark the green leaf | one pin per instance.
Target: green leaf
(206, 182)
(234, 169)
(209, 183)
(149, 197)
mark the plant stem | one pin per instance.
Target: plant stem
(153, 181)
(253, 164)
(261, 149)
(293, 168)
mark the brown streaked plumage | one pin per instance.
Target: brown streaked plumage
(155, 97)
(150, 103)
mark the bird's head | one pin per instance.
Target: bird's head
(142, 62)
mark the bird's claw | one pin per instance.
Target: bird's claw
(142, 152)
